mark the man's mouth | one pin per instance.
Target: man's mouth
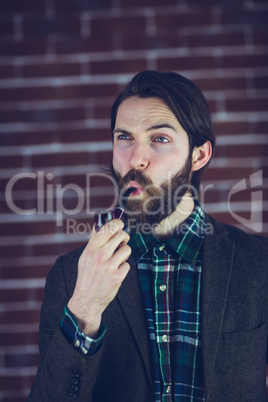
(138, 189)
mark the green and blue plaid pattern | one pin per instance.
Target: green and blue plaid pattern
(78, 339)
(170, 275)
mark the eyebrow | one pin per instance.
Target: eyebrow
(163, 125)
(154, 127)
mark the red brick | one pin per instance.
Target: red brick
(4, 209)
(238, 15)
(122, 66)
(73, 203)
(231, 128)
(104, 158)
(78, 45)
(102, 112)
(261, 82)
(209, 195)
(149, 3)
(7, 71)
(25, 272)
(13, 360)
(30, 180)
(260, 36)
(28, 93)
(227, 173)
(87, 91)
(33, 47)
(22, 317)
(6, 26)
(247, 151)
(51, 69)
(180, 63)
(28, 228)
(32, 138)
(15, 295)
(247, 104)
(145, 42)
(241, 196)
(21, 7)
(261, 127)
(67, 26)
(78, 179)
(101, 179)
(90, 203)
(15, 398)
(21, 207)
(226, 217)
(23, 203)
(215, 39)
(221, 83)
(91, 180)
(42, 115)
(80, 226)
(56, 249)
(60, 159)
(115, 25)
(245, 60)
(24, 338)
(84, 135)
(212, 104)
(11, 161)
(102, 202)
(29, 316)
(11, 382)
(212, 2)
(74, 6)
(175, 20)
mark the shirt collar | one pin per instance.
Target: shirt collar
(186, 240)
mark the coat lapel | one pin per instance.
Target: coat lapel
(218, 255)
(131, 301)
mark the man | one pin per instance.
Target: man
(173, 305)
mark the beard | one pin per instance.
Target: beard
(157, 202)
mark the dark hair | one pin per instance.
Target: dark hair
(184, 99)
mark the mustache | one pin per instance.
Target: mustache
(135, 175)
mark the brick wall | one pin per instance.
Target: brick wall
(61, 64)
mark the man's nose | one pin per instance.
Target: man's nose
(140, 157)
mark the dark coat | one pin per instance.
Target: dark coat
(234, 329)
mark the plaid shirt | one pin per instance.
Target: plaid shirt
(170, 275)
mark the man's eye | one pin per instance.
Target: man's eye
(161, 139)
(121, 137)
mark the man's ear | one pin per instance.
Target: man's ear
(201, 156)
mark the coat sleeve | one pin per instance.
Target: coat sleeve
(63, 371)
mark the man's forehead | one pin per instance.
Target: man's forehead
(152, 111)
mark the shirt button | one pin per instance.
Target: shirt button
(84, 350)
(164, 338)
(168, 389)
(161, 248)
(162, 288)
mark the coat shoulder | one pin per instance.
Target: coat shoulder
(252, 249)
(235, 234)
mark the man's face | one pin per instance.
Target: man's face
(151, 153)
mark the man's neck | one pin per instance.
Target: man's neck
(167, 226)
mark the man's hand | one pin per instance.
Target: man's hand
(102, 267)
